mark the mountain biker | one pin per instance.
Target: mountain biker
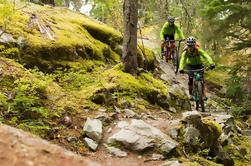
(191, 58)
(168, 31)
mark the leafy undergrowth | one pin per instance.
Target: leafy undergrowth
(240, 151)
(218, 76)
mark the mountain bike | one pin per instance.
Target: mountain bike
(198, 94)
(172, 53)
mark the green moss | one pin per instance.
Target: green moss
(217, 76)
(146, 58)
(205, 162)
(241, 124)
(210, 131)
(7, 82)
(234, 151)
(77, 37)
(116, 145)
(12, 53)
(141, 106)
(213, 126)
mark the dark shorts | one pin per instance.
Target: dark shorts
(191, 74)
(170, 37)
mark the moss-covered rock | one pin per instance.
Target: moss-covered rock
(210, 132)
(146, 58)
(76, 37)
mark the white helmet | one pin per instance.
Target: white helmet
(191, 41)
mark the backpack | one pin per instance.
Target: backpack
(196, 49)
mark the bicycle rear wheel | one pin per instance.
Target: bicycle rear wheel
(174, 60)
(200, 95)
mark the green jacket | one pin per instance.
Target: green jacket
(166, 30)
(193, 58)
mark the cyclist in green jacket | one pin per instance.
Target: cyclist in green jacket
(168, 31)
(191, 59)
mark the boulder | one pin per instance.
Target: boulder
(138, 136)
(131, 140)
(142, 128)
(93, 129)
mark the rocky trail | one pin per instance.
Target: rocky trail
(134, 138)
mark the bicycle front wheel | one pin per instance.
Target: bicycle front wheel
(177, 60)
(200, 95)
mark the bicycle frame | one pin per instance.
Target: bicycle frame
(168, 45)
(197, 78)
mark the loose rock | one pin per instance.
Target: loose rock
(91, 144)
(156, 157)
(171, 163)
(173, 133)
(72, 139)
(167, 146)
(172, 109)
(115, 151)
(93, 129)
(130, 114)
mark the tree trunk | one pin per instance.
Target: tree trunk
(103, 14)
(166, 8)
(67, 3)
(130, 36)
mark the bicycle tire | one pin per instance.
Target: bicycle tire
(200, 93)
(173, 57)
(177, 61)
(197, 105)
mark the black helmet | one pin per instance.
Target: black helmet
(191, 41)
(171, 19)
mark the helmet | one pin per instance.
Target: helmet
(171, 19)
(191, 41)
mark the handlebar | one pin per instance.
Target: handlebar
(180, 40)
(197, 70)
